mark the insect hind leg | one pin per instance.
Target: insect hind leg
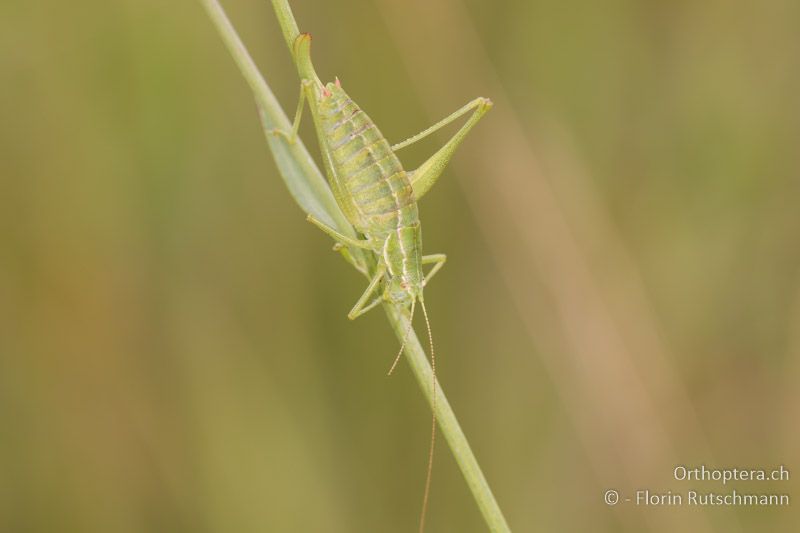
(423, 178)
(361, 305)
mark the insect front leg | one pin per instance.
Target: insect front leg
(291, 137)
(438, 261)
(361, 306)
(423, 178)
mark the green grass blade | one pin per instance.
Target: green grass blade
(298, 170)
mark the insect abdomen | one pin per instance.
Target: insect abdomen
(367, 168)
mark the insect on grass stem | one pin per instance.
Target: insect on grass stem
(309, 189)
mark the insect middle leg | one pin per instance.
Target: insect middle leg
(340, 237)
(438, 261)
(423, 178)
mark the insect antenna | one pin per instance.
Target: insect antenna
(433, 421)
(405, 339)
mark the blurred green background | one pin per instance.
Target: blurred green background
(622, 293)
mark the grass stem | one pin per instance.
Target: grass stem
(309, 188)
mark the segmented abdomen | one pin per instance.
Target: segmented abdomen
(367, 169)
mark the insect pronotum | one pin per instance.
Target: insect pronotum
(378, 197)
